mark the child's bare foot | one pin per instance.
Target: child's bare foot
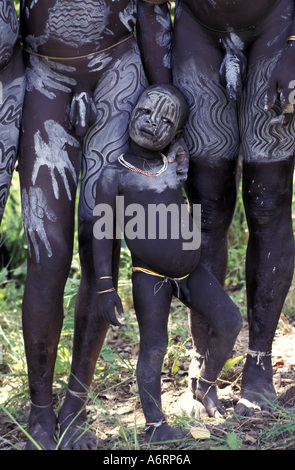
(164, 433)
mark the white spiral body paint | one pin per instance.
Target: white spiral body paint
(9, 30)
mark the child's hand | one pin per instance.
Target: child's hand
(178, 152)
(107, 305)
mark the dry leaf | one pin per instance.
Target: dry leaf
(200, 433)
(250, 439)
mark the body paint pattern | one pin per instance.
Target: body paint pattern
(74, 23)
(49, 77)
(233, 69)
(35, 213)
(163, 38)
(54, 155)
(262, 140)
(114, 98)
(11, 100)
(211, 129)
(119, 79)
(8, 30)
(128, 16)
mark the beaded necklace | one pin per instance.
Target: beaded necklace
(131, 167)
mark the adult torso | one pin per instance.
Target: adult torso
(230, 14)
(75, 27)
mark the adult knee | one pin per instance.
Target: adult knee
(216, 216)
(266, 208)
(231, 321)
(50, 271)
(214, 188)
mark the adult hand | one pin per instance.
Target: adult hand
(282, 83)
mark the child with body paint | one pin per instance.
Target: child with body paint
(164, 262)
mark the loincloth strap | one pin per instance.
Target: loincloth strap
(158, 285)
(80, 56)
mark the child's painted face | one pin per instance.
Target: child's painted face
(155, 120)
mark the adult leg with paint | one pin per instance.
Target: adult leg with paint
(48, 202)
(212, 136)
(268, 201)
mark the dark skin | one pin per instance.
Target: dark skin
(72, 102)
(12, 87)
(238, 86)
(200, 290)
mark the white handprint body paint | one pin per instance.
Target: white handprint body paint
(163, 37)
(54, 155)
(128, 16)
(35, 212)
(49, 77)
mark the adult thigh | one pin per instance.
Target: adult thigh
(263, 139)
(121, 81)
(50, 160)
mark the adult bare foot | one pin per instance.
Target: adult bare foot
(258, 392)
(42, 427)
(72, 422)
(206, 393)
(75, 436)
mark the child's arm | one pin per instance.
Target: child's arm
(104, 228)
